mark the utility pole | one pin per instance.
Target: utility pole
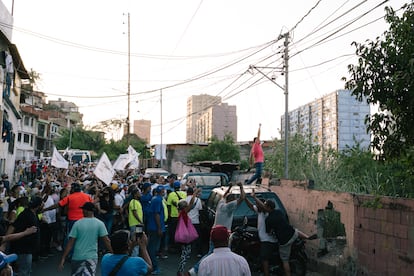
(129, 81)
(286, 59)
(285, 88)
(162, 151)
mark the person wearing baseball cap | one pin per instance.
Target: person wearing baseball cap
(223, 261)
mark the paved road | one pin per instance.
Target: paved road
(168, 266)
(49, 266)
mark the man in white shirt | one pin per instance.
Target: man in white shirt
(268, 243)
(223, 261)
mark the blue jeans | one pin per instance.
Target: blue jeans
(154, 243)
(258, 173)
(135, 250)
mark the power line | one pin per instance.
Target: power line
(340, 29)
(294, 27)
(109, 51)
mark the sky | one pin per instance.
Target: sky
(179, 48)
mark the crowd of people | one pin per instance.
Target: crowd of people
(130, 223)
(77, 214)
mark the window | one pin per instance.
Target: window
(19, 137)
(26, 138)
(26, 121)
(41, 130)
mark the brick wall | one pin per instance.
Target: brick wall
(379, 230)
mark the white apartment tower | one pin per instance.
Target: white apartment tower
(336, 120)
(196, 105)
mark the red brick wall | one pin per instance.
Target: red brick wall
(379, 230)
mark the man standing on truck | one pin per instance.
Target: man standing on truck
(256, 157)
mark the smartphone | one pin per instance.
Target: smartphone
(139, 230)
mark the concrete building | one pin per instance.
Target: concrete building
(71, 111)
(142, 128)
(334, 121)
(12, 76)
(196, 105)
(217, 120)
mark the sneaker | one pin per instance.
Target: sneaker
(164, 256)
(199, 255)
(156, 272)
(59, 248)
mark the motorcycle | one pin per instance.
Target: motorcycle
(245, 242)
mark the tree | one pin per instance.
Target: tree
(384, 76)
(217, 150)
(79, 138)
(114, 148)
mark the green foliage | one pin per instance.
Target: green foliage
(94, 141)
(79, 139)
(353, 170)
(217, 150)
(114, 148)
(384, 76)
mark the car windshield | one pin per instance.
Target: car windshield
(244, 210)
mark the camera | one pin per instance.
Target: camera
(139, 229)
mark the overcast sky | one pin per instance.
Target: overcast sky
(191, 47)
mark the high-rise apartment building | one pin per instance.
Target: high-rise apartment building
(218, 121)
(208, 117)
(142, 128)
(336, 120)
(196, 105)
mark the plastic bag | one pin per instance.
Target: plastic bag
(185, 231)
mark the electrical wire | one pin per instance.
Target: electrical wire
(340, 29)
(300, 21)
(109, 51)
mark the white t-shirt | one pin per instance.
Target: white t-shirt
(261, 227)
(49, 216)
(194, 213)
(224, 213)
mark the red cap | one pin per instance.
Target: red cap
(219, 233)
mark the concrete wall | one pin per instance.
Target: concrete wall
(379, 230)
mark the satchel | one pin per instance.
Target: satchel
(185, 231)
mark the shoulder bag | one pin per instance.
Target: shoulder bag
(118, 266)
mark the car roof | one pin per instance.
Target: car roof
(155, 170)
(247, 189)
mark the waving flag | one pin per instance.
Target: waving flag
(58, 161)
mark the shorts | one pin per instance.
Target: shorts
(267, 249)
(84, 267)
(284, 250)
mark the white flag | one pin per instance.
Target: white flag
(58, 161)
(104, 170)
(121, 162)
(133, 155)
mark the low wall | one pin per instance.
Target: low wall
(379, 231)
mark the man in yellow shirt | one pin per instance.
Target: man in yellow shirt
(135, 217)
(172, 203)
